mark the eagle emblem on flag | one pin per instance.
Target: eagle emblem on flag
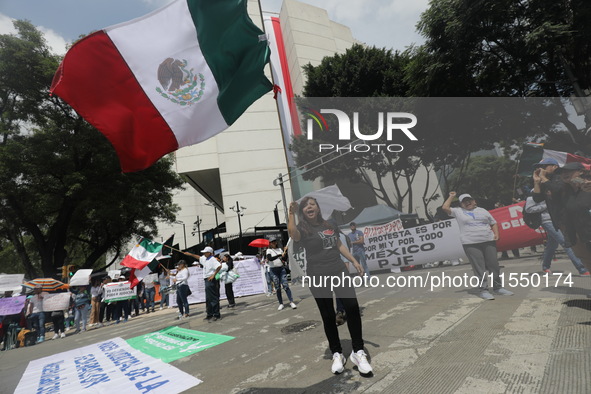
(179, 84)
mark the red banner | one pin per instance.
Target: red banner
(513, 232)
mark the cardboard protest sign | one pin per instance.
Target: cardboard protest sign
(12, 305)
(173, 343)
(81, 278)
(56, 302)
(11, 282)
(114, 274)
(103, 367)
(118, 291)
(250, 282)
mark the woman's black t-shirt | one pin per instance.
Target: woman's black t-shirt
(322, 251)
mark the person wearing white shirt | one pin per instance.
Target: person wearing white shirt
(36, 313)
(211, 266)
(479, 234)
(182, 288)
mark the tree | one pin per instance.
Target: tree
(63, 198)
(490, 179)
(507, 48)
(364, 72)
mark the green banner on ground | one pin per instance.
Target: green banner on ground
(173, 343)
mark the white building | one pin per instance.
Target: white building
(239, 165)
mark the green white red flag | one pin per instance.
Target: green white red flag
(169, 79)
(142, 254)
(534, 153)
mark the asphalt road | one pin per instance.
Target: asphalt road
(445, 340)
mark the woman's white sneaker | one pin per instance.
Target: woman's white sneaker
(281, 307)
(359, 358)
(338, 363)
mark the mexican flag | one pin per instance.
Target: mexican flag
(534, 153)
(169, 79)
(142, 254)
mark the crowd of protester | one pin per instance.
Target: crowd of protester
(87, 308)
(561, 195)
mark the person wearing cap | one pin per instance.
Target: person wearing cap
(358, 250)
(211, 266)
(35, 312)
(278, 273)
(478, 234)
(550, 186)
(181, 279)
(553, 237)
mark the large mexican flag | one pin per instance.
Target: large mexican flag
(169, 79)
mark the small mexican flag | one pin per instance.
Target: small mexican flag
(169, 79)
(142, 254)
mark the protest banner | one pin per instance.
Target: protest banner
(386, 247)
(118, 291)
(11, 282)
(56, 302)
(103, 367)
(251, 281)
(174, 342)
(81, 278)
(12, 305)
(513, 232)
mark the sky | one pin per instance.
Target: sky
(383, 23)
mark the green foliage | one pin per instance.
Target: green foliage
(364, 72)
(506, 48)
(489, 179)
(359, 72)
(64, 199)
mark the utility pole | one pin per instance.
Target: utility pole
(215, 211)
(240, 212)
(196, 226)
(184, 232)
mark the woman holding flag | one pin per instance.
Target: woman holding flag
(181, 279)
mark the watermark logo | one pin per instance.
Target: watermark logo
(319, 119)
(392, 124)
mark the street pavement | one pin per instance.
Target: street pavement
(420, 341)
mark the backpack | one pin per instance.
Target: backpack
(532, 220)
(26, 338)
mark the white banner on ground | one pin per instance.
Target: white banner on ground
(56, 302)
(388, 246)
(250, 282)
(103, 367)
(81, 278)
(11, 282)
(118, 291)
